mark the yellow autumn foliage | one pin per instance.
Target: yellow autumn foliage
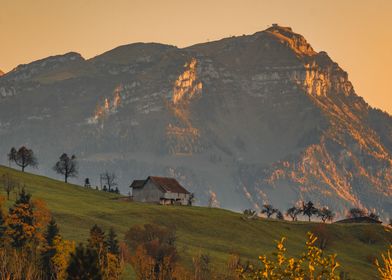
(114, 267)
(312, 264)
(60, 260)
(385, 268)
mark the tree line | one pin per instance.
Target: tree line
(308, 209)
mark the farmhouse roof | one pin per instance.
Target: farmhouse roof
(168, 184)
(137, 184)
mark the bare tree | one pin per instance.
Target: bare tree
(23, 157)
(325, 214)
(268, 210)
(293, 212)
(109, 179)
(9, 184)
(67, 166)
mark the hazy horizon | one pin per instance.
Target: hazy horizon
(357, 35)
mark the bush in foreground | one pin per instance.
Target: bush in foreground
(385, 266)
(312, 264)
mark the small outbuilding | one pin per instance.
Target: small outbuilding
(162, 190)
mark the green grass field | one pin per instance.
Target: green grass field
(215, 232)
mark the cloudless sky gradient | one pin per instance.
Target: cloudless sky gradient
(356, 33)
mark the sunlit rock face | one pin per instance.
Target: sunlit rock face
(1, 73)
(181, 136)
(109, 106)
(187, 85)
(241, 121)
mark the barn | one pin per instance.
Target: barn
(162, 190)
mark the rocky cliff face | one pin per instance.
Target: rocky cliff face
(250, 119)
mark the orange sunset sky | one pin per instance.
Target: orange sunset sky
(356, 33)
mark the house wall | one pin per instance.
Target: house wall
(179, 197)
(149, 193)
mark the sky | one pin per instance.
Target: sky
(357, 34)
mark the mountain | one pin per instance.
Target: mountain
(1, 73)
(246, 120)
(211, 231)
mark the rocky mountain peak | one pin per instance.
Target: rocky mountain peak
(295, 41)
(1, 73)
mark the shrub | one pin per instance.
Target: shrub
(385, 267)
(312, 264)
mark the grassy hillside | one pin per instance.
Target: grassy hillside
(214, 231)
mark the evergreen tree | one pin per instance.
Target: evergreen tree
(113, 267)
(22, 229)
(24, 198)
(97, 238)
(49, 250)
(112, 243)
(84, 264)
(97, 242)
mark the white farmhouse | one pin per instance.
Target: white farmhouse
(162, 190)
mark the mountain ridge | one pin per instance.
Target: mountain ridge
(246, 118)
